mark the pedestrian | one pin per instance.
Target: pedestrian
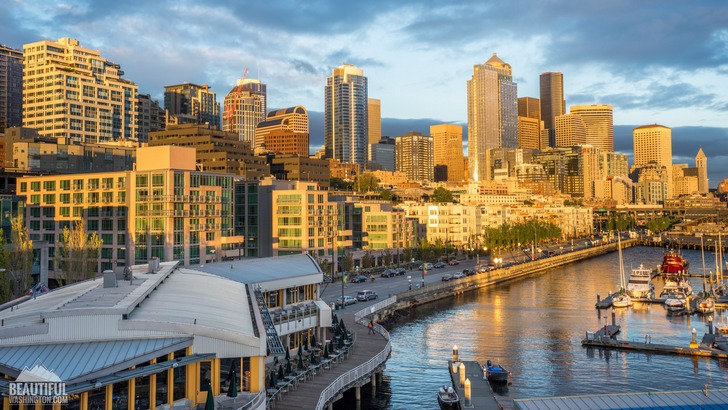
(371, 327)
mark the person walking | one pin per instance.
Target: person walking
(371, 327)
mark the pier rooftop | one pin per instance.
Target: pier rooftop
(696, 399)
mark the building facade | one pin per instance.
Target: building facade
(653, 143)
(701, 163)
(492, 113)
(346, 115)
(92, 103)
(375, 121)
(189, 103)
(415, 156)
(448, 149)
(382, 155)
(529, 133)
(11, 87)
(245, 107)
(569, 130)
(284, 131)
(552, 98)
(150, 117)
(599, 122)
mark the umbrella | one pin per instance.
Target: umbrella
(288, 354)
(210, 402)
(341, 325)
(341, 342)
(280, 372)
(233, 389)
(300, 351)
(300, 362)
(313, 340)
(272, 380)
(288, 367)
(326, 351)
(313, 358)
(305, 344)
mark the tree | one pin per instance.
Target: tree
(441, 195)
(6, 291)
(367, 261)
(366, 182)
(18, 258)
(325, 266)
(387, 257)
(338, 184)
(347, 263)
(386, 195)
(77, 254)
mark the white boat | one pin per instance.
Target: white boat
(721, 337)
(448, 398)
(676, 284)
(621, 298)
(640, 283)
(675, 301)
(706, 305)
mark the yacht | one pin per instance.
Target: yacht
(640, 283)
(676, 284)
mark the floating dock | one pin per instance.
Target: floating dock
(482, 396)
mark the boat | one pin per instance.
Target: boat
(495, 372)
(640, 283)
(721, 337)
(676, 283)
(673, 263)
(675, 301)
(706, 303)
(621, 298)
(448, 398)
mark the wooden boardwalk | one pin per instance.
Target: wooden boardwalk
(307, 393)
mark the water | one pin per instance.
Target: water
(534, 327)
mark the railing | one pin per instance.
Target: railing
(255, 402)
(344, 381)
(273, 341)
(293, 312)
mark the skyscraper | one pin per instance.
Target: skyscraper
(375, 121)
(414, 156)
(346, 115)
(653, 143)
(492, 113)
(569, 130)
(150, 117)
(244, 108)
(191, 103)
(529, 107)
(599, 125)
(382, 154)
(448, 149)
(92, 103)
(701, 163)
(284, 131)
(529, 133)
(552, 101)
(11, 87)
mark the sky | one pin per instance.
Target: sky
(662, 62)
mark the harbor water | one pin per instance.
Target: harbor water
(534, 328)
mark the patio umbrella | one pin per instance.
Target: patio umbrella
(300, 351)
(288, 354)
(305, 344)
(341, 342)
(326, 351)
(272, 380)
(288, 367)
(300, 362)
(233, 389)
(313, 340)
(210, 402)
(313, 357)
(341, 325)
(280, 372)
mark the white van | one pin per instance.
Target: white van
(365, 295)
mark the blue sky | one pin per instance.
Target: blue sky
(660, 62)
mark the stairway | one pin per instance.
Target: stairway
(274, 342)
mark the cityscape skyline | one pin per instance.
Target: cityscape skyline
(675, 81)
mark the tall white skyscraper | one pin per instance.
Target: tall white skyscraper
(492, 114)
(244, 108)
(346, 115)
(599, 123)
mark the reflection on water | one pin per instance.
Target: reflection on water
(534, 328)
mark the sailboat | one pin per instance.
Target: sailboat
(621, 298)
(704, 300)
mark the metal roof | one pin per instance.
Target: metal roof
(681, 400)
(260, 270)
(72, 361)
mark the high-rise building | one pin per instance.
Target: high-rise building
(552, 101)
(529, 133)
(284, 131)
(599, 124)
(382, 154)
(701, 163)
(150, 117)
(189, 103)
(91, 102)
(569, 130)
(11, 87)
(529, 107)
(346, 115)
(492, 113)
(415, 156)
(245, 107)
(448, 149)
(375, 121)
(653, 143)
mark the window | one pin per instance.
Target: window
(64, 211)
(49, 185)
(157, 179)
(93, 224)
(35, 186)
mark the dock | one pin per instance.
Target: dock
(482, 396)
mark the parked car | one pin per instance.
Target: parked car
(440, 265)
(348, 300)
(484, 268)
(453, 263)
(447, 277)
(388, 273)
(458, 275)
(400, 271)
(364, 295)
(468, 272)
(427, 266)
(359, 279)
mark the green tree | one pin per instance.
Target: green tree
(407, 255)
(386, 195)
(441, 195)
(388, 257)
(18, 258)
(338, 184)
(366, 182)
(325, 266)
(6, 292)
(77, 254)
(347, 262)
(367, 261)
